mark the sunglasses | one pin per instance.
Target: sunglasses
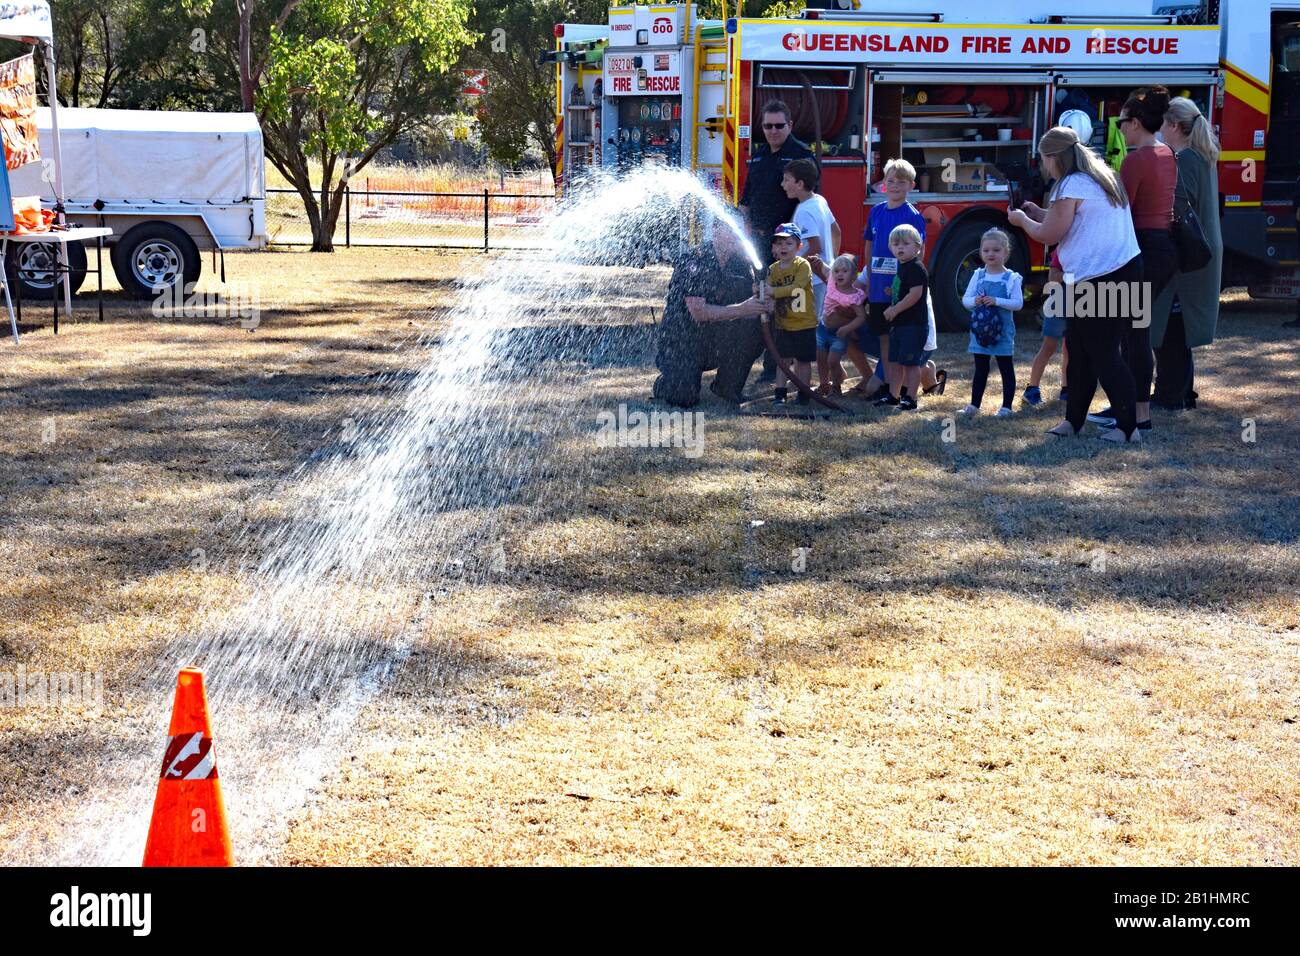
(773, 126)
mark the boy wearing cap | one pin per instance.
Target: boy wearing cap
(790, 281)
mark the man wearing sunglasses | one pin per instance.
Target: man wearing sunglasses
(764, 203)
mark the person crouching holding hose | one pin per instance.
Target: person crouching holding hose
(1090, 220)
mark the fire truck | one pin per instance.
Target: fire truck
(962, 99)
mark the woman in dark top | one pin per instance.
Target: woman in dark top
(1175, 334)
(1149, 174)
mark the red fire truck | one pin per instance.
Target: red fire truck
(965, 101)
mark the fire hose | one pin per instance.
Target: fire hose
(766, 325)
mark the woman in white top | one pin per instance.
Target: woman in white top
(1089, 218)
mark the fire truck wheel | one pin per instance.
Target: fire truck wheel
(30, 262)
(155, 254)
(956, 261)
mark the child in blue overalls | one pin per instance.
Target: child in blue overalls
(1000, 288)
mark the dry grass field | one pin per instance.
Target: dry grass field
(997, 648)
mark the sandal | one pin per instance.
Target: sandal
(940, 383)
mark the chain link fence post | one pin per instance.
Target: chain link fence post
(485, 220)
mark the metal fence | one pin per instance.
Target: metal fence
(430, 220)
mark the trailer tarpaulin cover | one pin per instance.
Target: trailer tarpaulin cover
(148, 155)
(18, 111)
(26, 20)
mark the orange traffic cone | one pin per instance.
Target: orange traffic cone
(189, 820)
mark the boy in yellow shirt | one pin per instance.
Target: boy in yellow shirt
(789, 279)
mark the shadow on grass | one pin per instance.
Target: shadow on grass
(887, 506)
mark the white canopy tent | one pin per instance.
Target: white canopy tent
(29, 21)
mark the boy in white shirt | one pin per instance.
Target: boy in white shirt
(813, 216)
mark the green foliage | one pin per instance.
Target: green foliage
(344, 78)
(317, 76)
(519, 107)
(340, 69)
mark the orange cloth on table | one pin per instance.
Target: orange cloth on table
(30, 217)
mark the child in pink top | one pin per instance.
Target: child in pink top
(843, 313)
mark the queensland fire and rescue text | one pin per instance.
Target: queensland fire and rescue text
(975, 43)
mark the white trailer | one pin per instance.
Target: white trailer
(170, 185)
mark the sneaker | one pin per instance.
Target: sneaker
(970, 411)
(1005, 412)
(1104, 417)
(779, 396)
(886, 399)
(1142, 426)
(879, 393)
(907, 404)
(803, 399)
(1033, 395)
(1064, 395)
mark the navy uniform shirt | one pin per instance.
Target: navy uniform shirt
(686, 347)
(699, 273)
(768, 204)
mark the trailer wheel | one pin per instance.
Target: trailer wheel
(958, 258)
(29, 263)
(155, 254)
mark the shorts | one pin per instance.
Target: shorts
(828, 341)
(1053, 327)
(877, 324)
(907, 344)
(800, 346)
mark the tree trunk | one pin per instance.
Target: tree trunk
(246, 82)
(322, 229)
(76, 77)
(336, 207)
(312, 208)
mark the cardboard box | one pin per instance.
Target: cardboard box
(949, 175)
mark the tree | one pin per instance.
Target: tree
(519, 105)
(338, 80)
(89, 36)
